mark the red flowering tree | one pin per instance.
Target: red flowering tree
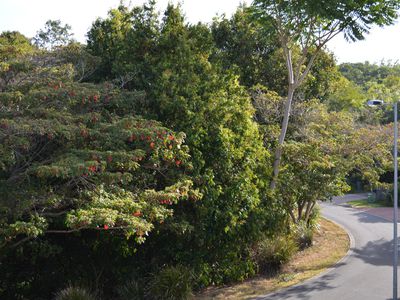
(74, 158)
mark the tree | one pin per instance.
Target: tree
(244, 46)
(15, 48)
(125, 42)
(316, 163)
(14, 44)
(371, 153)
(226, 150)
(310, 25)
(73, 159)
(361, 73)
(323, 149)
(85, 64)
(79, 169)
(23, 65)
(53, 35)
(346, 95)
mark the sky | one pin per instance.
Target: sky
(28, 16)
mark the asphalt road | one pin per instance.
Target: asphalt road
(365, 274)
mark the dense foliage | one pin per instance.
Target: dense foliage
(142, 160)
(188, 93)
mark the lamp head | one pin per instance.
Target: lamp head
(375, 102)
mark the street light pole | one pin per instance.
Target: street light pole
(374, 103)
(395, 212)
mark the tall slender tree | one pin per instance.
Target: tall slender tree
(310, 25)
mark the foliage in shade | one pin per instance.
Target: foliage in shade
(171, 283)
(74, 293)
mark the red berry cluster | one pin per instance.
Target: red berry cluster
(92, 169)
(166, 201)
(92, 98)
(72, 93)
(137, 214)
(84, 133)
(56, 86)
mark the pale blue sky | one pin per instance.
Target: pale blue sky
(28, 16)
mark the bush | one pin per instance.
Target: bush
(131, 290)
(314, 217)
(304, 231)
(271, 253)
(304, 235)
(74, 293)
(173, 283)
(232, 268)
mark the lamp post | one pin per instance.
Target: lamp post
(395, 211)
(372, 103)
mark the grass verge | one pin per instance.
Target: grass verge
(363, 203)
(331, 243)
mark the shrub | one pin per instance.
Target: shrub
(314, 218)
(271, 253)
(303, 235)
(173, 283)
(234, 267)
(74, 293)
(304, 231)
(131, 290)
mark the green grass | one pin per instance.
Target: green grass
(364, 203)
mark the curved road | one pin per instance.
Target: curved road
(366, 274)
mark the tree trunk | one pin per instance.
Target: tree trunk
(285, 122)
(300, 207)
(310, 207)
(294, 81)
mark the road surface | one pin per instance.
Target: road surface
(365, 274)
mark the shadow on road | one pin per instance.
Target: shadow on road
(378, 253)
(364, 217)
(302, 291)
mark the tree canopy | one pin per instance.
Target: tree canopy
(145, 155)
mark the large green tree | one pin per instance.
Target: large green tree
(187, 91)
(71, 161)
(79, 171)
(225, 144)
(252, 51)
(310, 26)
(125, 41)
